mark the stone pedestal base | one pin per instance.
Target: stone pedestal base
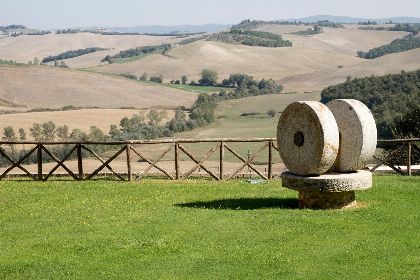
(328, 191)
(326, 200)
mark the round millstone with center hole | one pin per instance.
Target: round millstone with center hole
(308, 138)
(358, 136)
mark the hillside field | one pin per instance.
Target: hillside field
(48, 87)
(230, 124)
(25, 48)
(227, 59)
(313, 62)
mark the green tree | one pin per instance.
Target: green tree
(155, 117)
(63, 133)
(78, 135)
(9, 134)
(96, 134)
(408, 126)
(114, 132)
(157, 79)
(144, 77)
(48, 131)
(133, 124)
(108, 59)
(208, 77)
(22, 134)
(184, 80)
(203, 109)
(36, 132)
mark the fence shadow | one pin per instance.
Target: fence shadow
(244, 204)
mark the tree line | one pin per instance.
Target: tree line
(254, 24)
(413, 28)
(71, 54)
(140, 51)
(251, 38)
(390, 98)
(407, 43)
(316, 29)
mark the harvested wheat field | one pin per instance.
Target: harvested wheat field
(319, 57)
(226, 59)
(388, 64)
(25, 48)
(101, 118)
(48, 87)
(339, 40)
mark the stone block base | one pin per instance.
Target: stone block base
(326, 200)
(328, 191)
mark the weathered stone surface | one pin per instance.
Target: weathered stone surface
(358, 136)
(308, 138)
(328, 183)
(323, 200)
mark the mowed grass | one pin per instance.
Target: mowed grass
(204, 230)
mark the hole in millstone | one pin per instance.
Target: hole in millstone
(299, 139)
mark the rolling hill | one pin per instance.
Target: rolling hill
(393, 63)
(226, 59)
(25, 48)
(348, 40)
(344, 19)
(311, 64)
(49, 87)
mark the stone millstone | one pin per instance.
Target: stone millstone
(330, 183)
(358, 134)
(329, 191)
(308, 138)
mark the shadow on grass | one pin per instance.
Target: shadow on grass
(244, 204)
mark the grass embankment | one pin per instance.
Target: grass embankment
(198, 89)
(204, 230)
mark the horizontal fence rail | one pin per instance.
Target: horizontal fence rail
(43, 152)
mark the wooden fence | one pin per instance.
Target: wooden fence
(177, 147)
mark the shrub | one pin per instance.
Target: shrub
(157, 79)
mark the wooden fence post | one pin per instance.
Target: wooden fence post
(409, 159)
(176, 161)
(128, 151)
(221, 158)
(270, 160)
(80, 161)
(39, 162)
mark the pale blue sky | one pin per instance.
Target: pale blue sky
(59, 13)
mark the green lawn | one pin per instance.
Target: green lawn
(204, 230)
